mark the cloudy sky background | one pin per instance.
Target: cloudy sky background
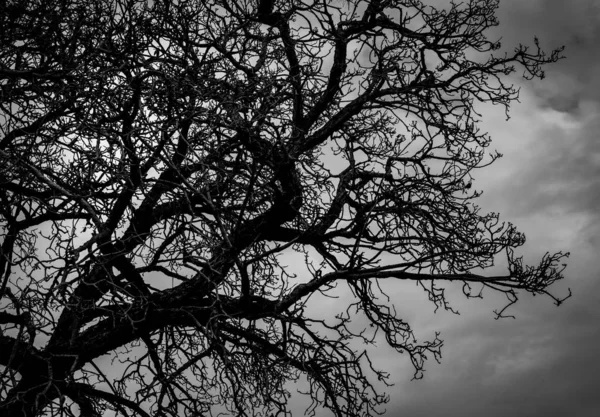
(545, 362)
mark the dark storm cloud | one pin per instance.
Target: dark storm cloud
(562, 168)
(545, 362)
(540, 364)
(574, 24)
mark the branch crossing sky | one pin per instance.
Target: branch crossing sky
(544, 363)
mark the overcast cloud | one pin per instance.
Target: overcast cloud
(545, 362)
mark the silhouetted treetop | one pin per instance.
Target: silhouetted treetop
(179, 180)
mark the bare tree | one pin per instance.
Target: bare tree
(160, 161)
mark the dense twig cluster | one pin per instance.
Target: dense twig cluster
(159, 160)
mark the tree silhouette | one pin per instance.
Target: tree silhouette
(162, 162)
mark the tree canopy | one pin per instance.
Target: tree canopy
(161, 162)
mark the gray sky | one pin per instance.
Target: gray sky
(545, 362)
